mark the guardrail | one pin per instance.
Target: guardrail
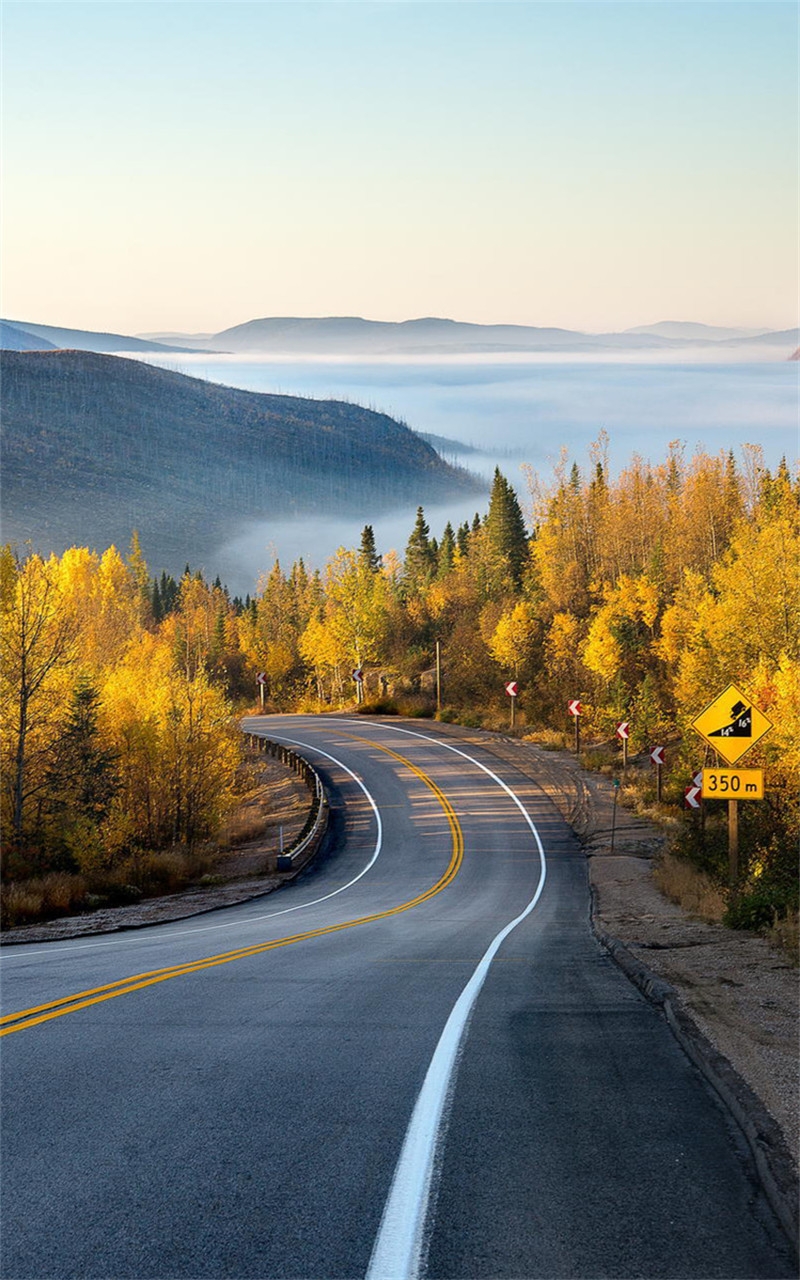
(307, 842)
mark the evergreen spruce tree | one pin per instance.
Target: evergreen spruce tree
(218, 638)
(82, 779)
(420, 563)
(447, 550)
(505, 531)
(168, 591)
(462, 538)
(367, 552)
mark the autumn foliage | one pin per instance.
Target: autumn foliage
(643, 595)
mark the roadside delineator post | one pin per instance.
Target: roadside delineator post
(574, 708)
(614, 813)
(512, 689)
(657, 757)
(623, 733)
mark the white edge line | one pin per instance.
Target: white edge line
(27, 953)
(401, 1243)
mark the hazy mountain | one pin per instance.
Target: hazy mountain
(13, 338)
(96, 445)
(85, 340)
(690, 331)
(431, 337)
(351, 335)
(776, 338)
(194, 341)
(354, 336)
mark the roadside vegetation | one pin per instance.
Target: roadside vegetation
(643, 596)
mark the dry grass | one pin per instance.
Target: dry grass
(28, 900)
(691, 889)
(548, 739)
(785, 935)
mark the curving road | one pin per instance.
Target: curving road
(414, 1060)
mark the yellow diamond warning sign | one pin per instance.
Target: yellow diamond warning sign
(731, 724)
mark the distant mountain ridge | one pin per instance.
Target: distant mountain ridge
(96, 445)
(434, 336)
(690, 330)
(51, 336)
(14, 338)
(431, 336)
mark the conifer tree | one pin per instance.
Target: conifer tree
(505, 529)
(420, 562)
(82, 779)
(367, 552)
(447, 551)
(155, 601)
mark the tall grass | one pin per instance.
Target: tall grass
(690, 888)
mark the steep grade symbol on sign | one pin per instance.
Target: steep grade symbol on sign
(731, 724)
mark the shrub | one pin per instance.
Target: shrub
(757, 909)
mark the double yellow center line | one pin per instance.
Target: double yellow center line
(96, 995)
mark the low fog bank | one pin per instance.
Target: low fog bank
(512, 412)
(528, 410)
(242, 561)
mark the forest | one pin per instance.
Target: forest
(643, 595)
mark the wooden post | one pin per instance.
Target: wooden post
(261, 691)
(513, 700)
(733, 844)
(438, 676)
(624, 753)
(577, 735)
(658, 783)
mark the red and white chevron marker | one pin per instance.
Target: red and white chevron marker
(624, 729)
(512, 688)
(574, 707)
(691, 797)
(657, 755)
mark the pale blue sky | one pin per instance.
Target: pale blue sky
(594, 165)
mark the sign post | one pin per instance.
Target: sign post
(574, 708)
(731, 725)
(358, 676)
(657, 757)
(261, 680)
(624, 732)
(512, 689)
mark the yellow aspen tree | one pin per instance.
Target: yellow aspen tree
(39, 649)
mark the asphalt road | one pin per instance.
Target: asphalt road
(414, 1060)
